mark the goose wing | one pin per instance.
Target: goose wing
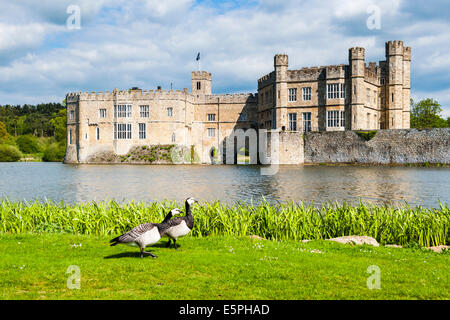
(134, 233)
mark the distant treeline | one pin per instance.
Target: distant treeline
(30, 119)
(33, 133)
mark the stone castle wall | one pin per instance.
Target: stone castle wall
(386, 147)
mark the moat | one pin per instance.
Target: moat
(318, 184)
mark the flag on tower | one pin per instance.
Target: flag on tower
(198, 57)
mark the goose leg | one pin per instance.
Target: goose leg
(151, 254)
(168, 244)
(146, 252)
(175, 244)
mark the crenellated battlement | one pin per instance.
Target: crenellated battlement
(227, 98)
(407, 54)
(305, 74)
(372, 76)
(394, 48)
(281, 60)
(201, 75)
(129, 95)
(357, 53)
(267, 79)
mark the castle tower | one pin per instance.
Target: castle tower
(355, 114)
(201, 83)
(406, 87)
(281, 63)
(394, 89)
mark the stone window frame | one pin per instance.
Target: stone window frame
(342, 115)
(142, 128)
(102, 113)
(342, 90)
(307, 121)
(292, 118)
(211, 132)
(123, 131)
(307, 93)
(292, 94)
(211, 117)
(144, 111)
(334, 90)
(335, 119)
(169, 111)
(122, 111)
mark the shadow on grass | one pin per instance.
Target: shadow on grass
(137, 254)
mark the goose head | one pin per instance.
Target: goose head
(174, 212)
(190, 201)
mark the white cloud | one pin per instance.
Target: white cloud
(149, 42)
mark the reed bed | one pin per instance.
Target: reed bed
(278, 221)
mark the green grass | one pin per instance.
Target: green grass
(33, 266)
(279, 221)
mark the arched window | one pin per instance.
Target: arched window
(173, 137)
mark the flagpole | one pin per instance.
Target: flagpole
(198, 61)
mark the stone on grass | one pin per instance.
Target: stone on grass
(438, 249)
(359, 240)
(255, 237)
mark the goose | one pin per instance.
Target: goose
(180, 226)
(145, 234)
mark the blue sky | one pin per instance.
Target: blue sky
(147, 43)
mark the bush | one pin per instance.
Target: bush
(28, 144)
(55, 152)
(9, 153)
(367, 135)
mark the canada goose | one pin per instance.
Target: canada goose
(145, 234)
(180, 226)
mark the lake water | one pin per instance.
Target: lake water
(317, 184)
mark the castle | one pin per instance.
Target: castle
(353, 96)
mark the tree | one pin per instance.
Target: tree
(4, 135)
(59, 124)
(9, 153)
(54, 152)
(28, 144)
(426, 114)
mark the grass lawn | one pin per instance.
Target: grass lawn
(33, 266)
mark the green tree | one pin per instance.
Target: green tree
(28, 144)
(426, 114)
(55, 152)
(4, 135)
(9, 153)
(59, 124)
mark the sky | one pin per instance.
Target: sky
(49, 48)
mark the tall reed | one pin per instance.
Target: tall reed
(282, 221)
